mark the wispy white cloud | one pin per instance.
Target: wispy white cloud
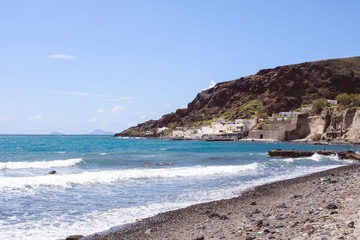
(143, 116)
(93, 120)
(7, 104)
(84, 94)
(76, 93)
(212, 84)
(131, 124)
(100, 110)
(167, 105)
(117, 109)
(36, 118)
(60, 56)
(121, 99)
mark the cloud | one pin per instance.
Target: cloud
(60, 56)
(93, 120)
(36, 118)
(212, 84)
(100, 110)
(143, 116)
(84, 94)
(167, 105)
(7, 104)
(121, 99)
(76, 93)
(117, 109)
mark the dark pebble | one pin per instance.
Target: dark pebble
(255, 211)
(74, 237)
(280, 226)
(283, 205)
(199, 238)
(249, 238)
(351, 224)
(223, 217)
(294, 224)
(331, 206)
(211, 215)
(253, 203)
(248, 214)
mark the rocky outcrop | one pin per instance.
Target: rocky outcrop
(269, 91)
(329, 125)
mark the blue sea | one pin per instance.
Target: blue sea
(102, 181)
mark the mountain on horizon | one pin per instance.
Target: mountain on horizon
(100, 132)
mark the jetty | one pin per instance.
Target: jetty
(347, 154)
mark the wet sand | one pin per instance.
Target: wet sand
(323, 205)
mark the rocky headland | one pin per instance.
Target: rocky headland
(270, 91)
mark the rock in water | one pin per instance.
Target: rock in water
(74, 237)
(52, 172)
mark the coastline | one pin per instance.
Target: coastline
(321, 205)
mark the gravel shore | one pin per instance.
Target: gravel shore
(322, 206)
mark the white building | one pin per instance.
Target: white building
(333, 102)
(178, 134)
(243, 125)
(288, 114)
(162, 129)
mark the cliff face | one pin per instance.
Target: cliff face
(331, 124)
(269, 91)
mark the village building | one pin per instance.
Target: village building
(333, 102)
(178, 134)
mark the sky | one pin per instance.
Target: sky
(76, 66)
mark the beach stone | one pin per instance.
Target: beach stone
(211, 215)
(199, 238)
(74, 237)
(351, 224)
(52, 172)
(309, 229)
(253, 203)
(282, 205)
(223, 217)
(248, 214)
(256, 211)
(148, 231)
(331, 206)
(294, 224)
(249, 238)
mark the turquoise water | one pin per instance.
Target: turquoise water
(102, 182)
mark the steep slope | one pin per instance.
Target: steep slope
(269, 91)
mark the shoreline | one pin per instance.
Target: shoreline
(321, 205)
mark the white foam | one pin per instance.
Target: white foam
(108, 177)
(102, 153)
(40, 164)
(60, 226)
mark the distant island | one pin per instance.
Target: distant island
(95, 132)
(312, 101)
(100, 132)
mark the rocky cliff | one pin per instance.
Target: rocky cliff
(269, 91)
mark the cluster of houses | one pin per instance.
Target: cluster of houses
(225, 130)
(219, 130)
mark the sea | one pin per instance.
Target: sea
(103, 182)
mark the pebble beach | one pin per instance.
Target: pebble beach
(323, 205)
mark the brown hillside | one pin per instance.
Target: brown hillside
(269, 91)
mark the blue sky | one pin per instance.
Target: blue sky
(75, 66)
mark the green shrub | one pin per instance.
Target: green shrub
(318, 105)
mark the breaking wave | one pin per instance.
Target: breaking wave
(40, 164)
